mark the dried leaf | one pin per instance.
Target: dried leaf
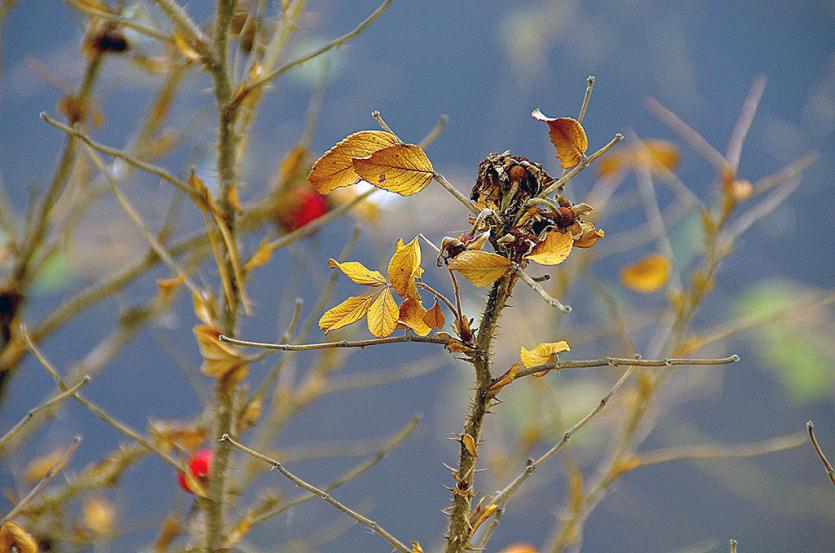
(588, 235)
(99, 515)
(261, 256)
(402, 168)
(349, 311)
(647, 275)
(404, 268)
(12, 535)
(434, 317)
(655, 153)
(184, 47)
(567, 135)
(416, 548)
(542, 354)
(39, 466)
(383, 314)
(469, 444)
(358, 272)
(412, 314)
(172, 435)
(504, 380)
(167, 286)
(553, 250)
(204, 309)
(219, 359)
(335, 169)
(479, 267)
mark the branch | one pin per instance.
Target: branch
(91, 10)
(536, 287)
(187, 26)
(719, 451)
(810, 427)
(345, 343)
(689, 134)
(584, 163)
(373, 526)
(624, 362)
(435, 132)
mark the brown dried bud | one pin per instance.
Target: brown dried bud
(518, 173)
(564, 217)
(564, 202)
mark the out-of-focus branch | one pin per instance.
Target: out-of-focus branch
(810, 428)
(624, 362)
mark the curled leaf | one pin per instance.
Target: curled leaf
(12, 535)
(219, 359)
(335, 168)
(434, 317)
(647, 275)
(349, 311)
(469, 443)
(383, 314)
(542, 354)
(404, 268)
(553, 250)
(402, 168)
(412, 314)
(479, 267)
(568, 137)
(504, 380)
(358, 272)
(588, 235)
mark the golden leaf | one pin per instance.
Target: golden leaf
(588, 235)
(98, 515)
(204, 309)
(13, 535)
(402, 168)
(404, 268)
(261, 256)
(480, 268)
(335, 169)
(647, 275)
(39, 466)
(358, 272)
(383, 314)
(349, 311)
(469, 444)
(652, 154)
(503, 380)
(519, 548)
(567, 135)
(434, 317)
(412, 314)
(416, 548)
(184, 47)
(171, 435)
(542, 354)
(167, 286)
(553, 250)
(219, 359)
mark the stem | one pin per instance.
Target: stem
(341, 344)
(464, 490)
(810, 428)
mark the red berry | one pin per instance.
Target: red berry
(305, 206)
(199, 466)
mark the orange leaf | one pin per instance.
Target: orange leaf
(335, 169)
(12, 535)
(656, 153)
(404, 268)
(383, 314)
(542, 354)
(219, 359)
(402, 168)
(553, 250)
(504, 380)
(519, 548)
(261, 256)
(434, 317)
(480, 268)
(358, 272)
(347, 312)
(647, 275)
(412, 314)
(588, 235)
(567, 135)
(469, 444)
(416, 548)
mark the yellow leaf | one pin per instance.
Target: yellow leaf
(519, 548)
(553, 250)
(39, 466)
(358, 272)
(469, 444)
(204, 308)
(167, 286)
(504, 380)
(647, 275)
(13, 535)
(656, 153)
(480, 268)
(99, 515)
(416, 548)
(383, 314)
(347, 312)
(412, 314)
(542, 354)
(567, 135)
(335, 169)
(404, 268)
(402, 168)
(588, 235)
(434, 317)
(219, 359)
(170, 435)
(261, 256)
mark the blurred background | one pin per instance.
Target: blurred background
(485, 65)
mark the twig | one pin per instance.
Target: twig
(441, 297)
(625, 362)
(342, 343)
(719, 451)
(810, 428)
(372, 525)
(319, 51)
(91, 10)
(435, 132)
(536, 287)
(743, 123)
(189, 28)
(382, 122)
(732, 545)
(790, 171)
(57, 398)
(584, 163)
(762, 209)
(440, 179)
(350, 475)
(586, 97)
(689, 134)
(368, 379)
